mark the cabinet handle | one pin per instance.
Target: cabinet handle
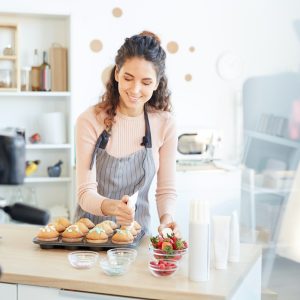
(89, 296)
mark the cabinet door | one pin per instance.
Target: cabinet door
(8, 291)
(28, 292)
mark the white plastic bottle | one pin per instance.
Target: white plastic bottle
(234, 241)
(199, 241)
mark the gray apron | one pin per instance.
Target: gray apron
(117, 177)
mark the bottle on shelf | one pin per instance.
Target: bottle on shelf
(45, 74)
(35, 72)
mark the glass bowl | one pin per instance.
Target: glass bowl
(163, 267)
(161, 254)
(122, 252)
(83, 259)
(115, 266)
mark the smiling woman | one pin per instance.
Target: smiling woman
(131, 136)
(137, 82)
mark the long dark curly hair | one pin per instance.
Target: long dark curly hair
(145, 45)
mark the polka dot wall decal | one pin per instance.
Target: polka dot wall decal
(96, 45)
(172, 47)
(117, 12)
(105, 74)
(188, 77)
(192, 49)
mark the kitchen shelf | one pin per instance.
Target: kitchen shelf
(35, 94)
(8, 57)
(257, 190)
(272, 139)
(46, 179)
(48, 146)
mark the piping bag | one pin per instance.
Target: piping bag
(131, 203)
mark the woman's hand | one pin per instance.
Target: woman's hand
(119, 208)
(124, 214)
(166, 221)
(173, 226)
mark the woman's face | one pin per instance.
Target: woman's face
(137, 80)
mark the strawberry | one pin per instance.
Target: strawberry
(154, 241)
(179, 244)
(159, 244)
(167, 247)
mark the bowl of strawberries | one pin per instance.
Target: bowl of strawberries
(167, 247)
(163, 267)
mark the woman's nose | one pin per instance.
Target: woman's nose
(135, 88)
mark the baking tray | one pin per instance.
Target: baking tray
(85, 245)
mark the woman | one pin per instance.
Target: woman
(130, 136)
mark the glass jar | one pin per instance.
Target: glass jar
(25, 79)
(5, 78)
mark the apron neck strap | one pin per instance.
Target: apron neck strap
(147, 141)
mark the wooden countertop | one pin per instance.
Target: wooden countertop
(25, 263)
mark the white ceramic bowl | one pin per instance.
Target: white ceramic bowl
(83, 259)
(122, 252)
(115, 265)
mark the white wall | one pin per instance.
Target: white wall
(260, 32)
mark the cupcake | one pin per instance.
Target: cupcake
(122, 237)
(137, 226)
(47, 234)
(63, 221)
(87, 222)
(112, 224)
(131, 229)
(58, 227)
(83, 228)
(108, 230)
(72, 234)
(96, 235)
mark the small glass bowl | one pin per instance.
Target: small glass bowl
(122, 252)
(161, 254)
(115, 266)
(163, 267)
(83, 259)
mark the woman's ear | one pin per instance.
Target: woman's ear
(116, 74)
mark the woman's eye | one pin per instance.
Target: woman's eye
(147, 83)
(127, 79)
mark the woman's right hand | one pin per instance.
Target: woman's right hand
(119, 208)
(124, 214)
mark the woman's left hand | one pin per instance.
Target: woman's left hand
(173, 226)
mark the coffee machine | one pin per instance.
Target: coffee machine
(12, 172)
(12, 157)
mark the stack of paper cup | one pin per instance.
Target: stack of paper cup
(199, 241)
(53, 128)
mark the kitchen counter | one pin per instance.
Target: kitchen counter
(25, 263)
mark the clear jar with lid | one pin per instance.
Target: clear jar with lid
(5, 78)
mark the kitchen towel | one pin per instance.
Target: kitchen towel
(53, 128)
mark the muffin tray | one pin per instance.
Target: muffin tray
(85, 245)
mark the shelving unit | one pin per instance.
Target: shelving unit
(9, 62)
(25, 109)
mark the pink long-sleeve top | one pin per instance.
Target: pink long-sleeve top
(126, 137)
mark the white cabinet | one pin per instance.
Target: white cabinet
(8, 291)
(27, 110)
(28, 292)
